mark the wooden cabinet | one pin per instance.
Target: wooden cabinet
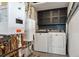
(49, 19)
(53, 16)
(51, 43)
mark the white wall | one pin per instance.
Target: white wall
(74, 35)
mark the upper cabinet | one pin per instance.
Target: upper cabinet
(54, 18)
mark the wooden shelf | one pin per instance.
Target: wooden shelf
(52, 17)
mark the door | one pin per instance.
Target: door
(43, 42)
(40, 43)
(37, 42)
(58, 44)
(49, 43)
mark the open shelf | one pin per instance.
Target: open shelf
(54, 19)
(55, 12)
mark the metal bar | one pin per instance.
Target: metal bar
(73, 10)
(10, 52)
(13, 51)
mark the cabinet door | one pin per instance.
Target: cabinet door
(57, 41)
(36, 42)
(58, 44)
(40, 43)
(43, 42)
(49, 43)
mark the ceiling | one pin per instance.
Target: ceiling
(49, 5)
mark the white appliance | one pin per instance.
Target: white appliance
(50, 42)
(12, 18)
(30, 29)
